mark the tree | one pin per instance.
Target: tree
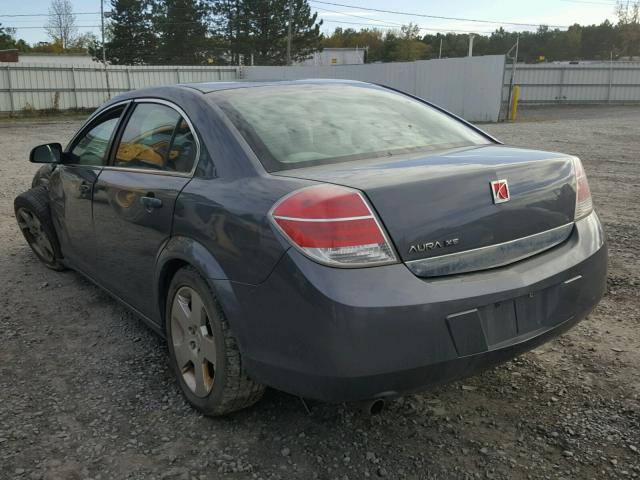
(629, 28)
(182, 28)
(371, 39)
(44, 47)
(598, 41)
(131, 38)
(407, 46)
(8, 40)
(83, 42)
(260, 28)
(61, 26)
(226, 28)
(306, 36)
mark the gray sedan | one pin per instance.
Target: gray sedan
(337, 240)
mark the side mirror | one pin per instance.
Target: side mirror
(47, 153)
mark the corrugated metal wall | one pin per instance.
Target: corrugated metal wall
(607, 82)
(470, 87)
(47, 86)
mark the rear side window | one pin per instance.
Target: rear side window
(310, 124)
(156, 137)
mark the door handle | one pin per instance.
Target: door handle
(84, 187)
(150, 202)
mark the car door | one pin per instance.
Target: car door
(153, 159)
(71, 188)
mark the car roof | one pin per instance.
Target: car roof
(176, 92)
(209, 87)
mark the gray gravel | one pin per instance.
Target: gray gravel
(86, 392)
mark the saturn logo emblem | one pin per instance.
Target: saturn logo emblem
(500, 191)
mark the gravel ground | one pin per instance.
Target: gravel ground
(86, 392)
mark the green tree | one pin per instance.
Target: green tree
(227, 24)
(85, 43)
(8, 40)
(371, 39)
(593, 42)
(598, 41)
(260, 28)
(131, 37)
(407, 46)
(453, 45)
(390, 46)
(182, 27)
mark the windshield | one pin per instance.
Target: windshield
(302, 125)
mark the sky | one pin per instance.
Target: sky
(549, 12)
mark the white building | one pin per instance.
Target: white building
(336, 56)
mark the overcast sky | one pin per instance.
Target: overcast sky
(550, 12)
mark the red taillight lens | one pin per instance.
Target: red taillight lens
(322, 202)
(333, 225)
(584, 204)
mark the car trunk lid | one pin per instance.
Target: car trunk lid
(441, 203)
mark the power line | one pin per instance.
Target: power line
(612, 4)
(395, 26)
(8, 15)
(360, 23)
(438, 17)
(387, 24)
(445, 30)
(356, 16)
(42, 27)
(46, 14)
(381, 23)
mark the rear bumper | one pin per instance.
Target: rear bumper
(352, 334)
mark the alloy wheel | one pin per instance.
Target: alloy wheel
(36, 236)
(193, 341)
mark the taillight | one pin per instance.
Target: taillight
(584, 205)
(333, 225)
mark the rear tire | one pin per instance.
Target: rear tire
(35, 222)
(203, 352)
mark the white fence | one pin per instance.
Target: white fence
(607, 82)
(26, 87)
(470, 87)
(474, 88)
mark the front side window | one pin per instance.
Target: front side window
(314, 124)
(92, 146)
(158, 138)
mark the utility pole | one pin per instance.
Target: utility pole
(104, 55)
(440, 51)
(289, 33)
(515, 60)
(513, 70)
(471, 35)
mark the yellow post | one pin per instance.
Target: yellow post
(514, 103)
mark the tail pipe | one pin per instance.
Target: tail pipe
(371, 407)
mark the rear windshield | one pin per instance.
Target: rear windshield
(304, 125)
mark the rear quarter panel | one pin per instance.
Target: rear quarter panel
(225, 206)
(230, 218)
